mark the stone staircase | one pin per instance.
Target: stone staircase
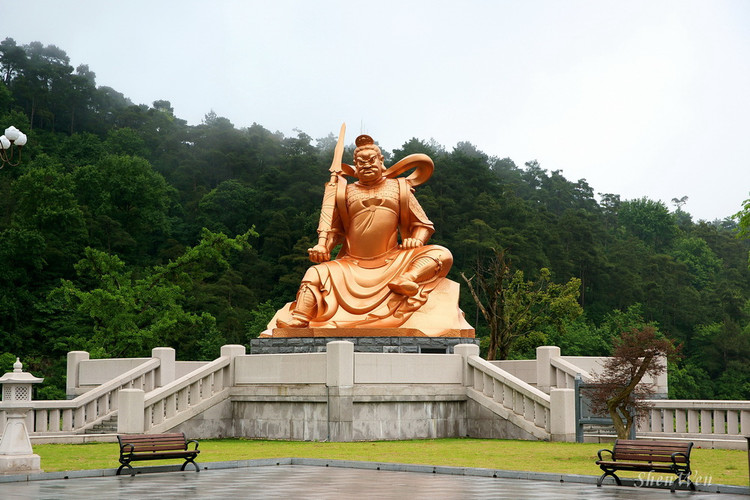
(108, 426)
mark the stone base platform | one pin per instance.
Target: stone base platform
(425, 345)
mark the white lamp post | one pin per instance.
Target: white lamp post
(16, 455)
(10, 143)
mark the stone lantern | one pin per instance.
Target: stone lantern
(16, 455)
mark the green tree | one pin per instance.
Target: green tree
(648, 220)
(515, 308)
(132, 311)
(128, 203)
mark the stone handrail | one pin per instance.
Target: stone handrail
(508, 396)
(565, 373)
(76, 415)
(697, 418)
(188, 395)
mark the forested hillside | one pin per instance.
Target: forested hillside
(124, 228)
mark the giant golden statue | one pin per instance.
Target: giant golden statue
(375, 286)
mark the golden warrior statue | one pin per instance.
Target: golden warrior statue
(374, 282)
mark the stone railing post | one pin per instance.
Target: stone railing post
(130, 411)
(71, 381)
(340, 385)
(232, 351)
(562, 415)
(167, 366)
(544, 371)
(466, 350)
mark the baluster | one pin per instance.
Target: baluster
(149, 381)
(644, 424)
(744, 422)
(42, 420)
(559, 378)
(158, 412)
(498, 391)
(182, 400)
(517, 403)
(37, 421)
(528, 409)
(720, 422)
(54, 420)
(508, 394)
(79, 417)
(90, 415)
(218, 380)
(67, 419)
(668, 420)
(733, 426)
(656, 420)
(195, 393)
(693, 426)
(487, 385)
(171, 406)
(29, 421)
(539, 415)
(706, 427)
(206, 387)
(680, 420)
(478, 380)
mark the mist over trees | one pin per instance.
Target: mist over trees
(125, 229)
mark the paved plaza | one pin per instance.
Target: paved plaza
(356, 480)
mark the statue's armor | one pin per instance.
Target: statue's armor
(372, 281)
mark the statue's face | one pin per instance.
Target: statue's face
(369, 163)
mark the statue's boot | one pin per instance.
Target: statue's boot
(419, 271)
(303, 311)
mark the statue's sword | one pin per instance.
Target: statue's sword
(325, 224)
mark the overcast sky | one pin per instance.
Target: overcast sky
(639, 97)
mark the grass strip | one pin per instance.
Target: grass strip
(709, 466)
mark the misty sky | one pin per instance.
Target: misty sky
(640, 98)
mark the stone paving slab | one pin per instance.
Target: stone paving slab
(330, 479)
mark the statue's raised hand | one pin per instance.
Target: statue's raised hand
(319, 253)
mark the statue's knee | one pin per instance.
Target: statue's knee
(446, 257)
(312, 278)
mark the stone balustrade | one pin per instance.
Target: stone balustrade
(86, 410)
(187, 396)
(697, 419)
(369, 396)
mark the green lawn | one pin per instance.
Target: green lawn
(722, 466)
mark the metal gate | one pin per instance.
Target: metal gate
(584, 414)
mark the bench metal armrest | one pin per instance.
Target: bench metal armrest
(192, 441)
(599, 453)
(680, 454)
(129, 449)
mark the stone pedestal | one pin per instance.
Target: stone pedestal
(385, 344)
(16, 455)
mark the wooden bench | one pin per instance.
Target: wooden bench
(648, 456)
(135, 447)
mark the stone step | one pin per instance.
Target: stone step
(108, 426)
